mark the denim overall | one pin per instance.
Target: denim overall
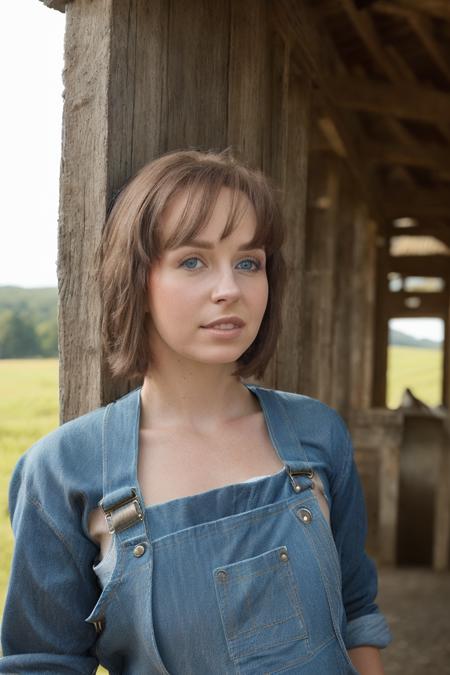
(242, 579)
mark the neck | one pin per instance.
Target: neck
(193, 399)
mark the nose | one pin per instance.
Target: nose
(225, 287)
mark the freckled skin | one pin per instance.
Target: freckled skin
(214, 283)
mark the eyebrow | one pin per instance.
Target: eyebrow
(247, 246)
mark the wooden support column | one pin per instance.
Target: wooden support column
(286, 163)
(381, 328)
(290, 351)
(83, 203)
(341, 308)
(320, 260)
(363, 308)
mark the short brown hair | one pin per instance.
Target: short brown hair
(131, 243)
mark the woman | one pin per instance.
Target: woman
(199, 524)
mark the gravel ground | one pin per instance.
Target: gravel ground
(416, 604)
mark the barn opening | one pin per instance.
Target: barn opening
(415, 360)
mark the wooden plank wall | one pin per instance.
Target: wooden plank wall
(339, 289)
(143, 78)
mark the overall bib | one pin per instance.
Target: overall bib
(242, 579)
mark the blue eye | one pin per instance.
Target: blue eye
(256, 263)
(247, 265)
(189, 260)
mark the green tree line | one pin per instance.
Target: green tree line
(28, 322)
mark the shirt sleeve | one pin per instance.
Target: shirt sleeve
(366, 625)
(50, 594)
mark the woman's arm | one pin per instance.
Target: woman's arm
(366, 627)
(367, 660)
(50, 590)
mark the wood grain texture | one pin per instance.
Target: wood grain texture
(363, 308)
(197, 74)
(296, 113)
(341, 307)
(83, 199)
(249, 81)
(319, 283)
(115, 82)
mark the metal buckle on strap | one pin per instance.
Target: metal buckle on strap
(124, 513)
(98, 625)
(298, 472)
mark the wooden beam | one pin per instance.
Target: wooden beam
(430, 304)
(297, 22)
(364, 26)
(329, 131)
(420, 265)
(405, 101)
(423, 26)
(437, 8)
(427, 155)
(401, 203)
(387, 60)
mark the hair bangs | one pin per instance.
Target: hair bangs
(202, 196)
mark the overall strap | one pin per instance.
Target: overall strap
(282, 433)
(122, 500)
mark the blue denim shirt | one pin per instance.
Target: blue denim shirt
(310, 584)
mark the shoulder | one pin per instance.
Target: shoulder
(67, 462)
(63, 462)
(308, 414)
(318, 427)
(69, 444)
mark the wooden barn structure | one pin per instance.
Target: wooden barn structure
(346, 105)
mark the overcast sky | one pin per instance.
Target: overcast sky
(31, 63)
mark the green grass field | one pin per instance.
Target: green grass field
(419, 369)
(29, 410)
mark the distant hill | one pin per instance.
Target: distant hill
(41, 303)
(28, 322)
(398, 338)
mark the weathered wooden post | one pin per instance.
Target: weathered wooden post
(143, 78)
(320, 261)
(363, 309)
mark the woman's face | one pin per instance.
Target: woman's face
(193, 285)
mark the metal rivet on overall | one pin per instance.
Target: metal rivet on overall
(297, 488)
(284, 555)
(139, 550)
(305, 515)
(221, 575)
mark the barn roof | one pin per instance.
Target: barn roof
(382, 71)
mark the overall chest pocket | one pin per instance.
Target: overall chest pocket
(259, 603)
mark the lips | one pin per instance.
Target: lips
(228, 321)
